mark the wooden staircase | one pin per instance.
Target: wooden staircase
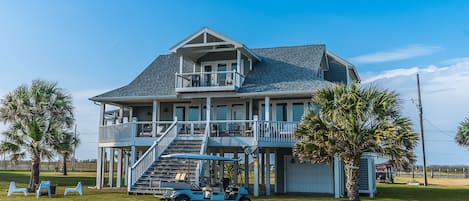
(165, 169)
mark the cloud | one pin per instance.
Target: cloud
(444, 99)
(396, 54)
(401, 72)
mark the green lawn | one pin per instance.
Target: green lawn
(444, 190)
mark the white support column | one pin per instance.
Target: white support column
(371, 188)
(238, 61)
(246, 170)
(208, 110)
(111, 166)
(276, 170)
(256, 174)
(131, 113)
(99, 169)
(336, 177)
(267, 172)
(267, 108)
(181, 63)
(126, 167)
(153, 117)
(193, 68)
(120, 119)
(119, 168)
(250, 64)
(236, 168)
(133, 153)
(101, 114)
(250, 109)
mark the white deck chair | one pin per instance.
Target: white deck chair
(43, 185)
(76, 189)
(14, 189)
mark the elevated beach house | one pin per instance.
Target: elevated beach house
(213, 95)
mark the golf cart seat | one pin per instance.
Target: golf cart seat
(180, 177)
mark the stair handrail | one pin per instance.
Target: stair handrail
(203, 149)
(152, 154)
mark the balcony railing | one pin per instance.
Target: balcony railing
(264, 132)
(127, 133)
(208, 81)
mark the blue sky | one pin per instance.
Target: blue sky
(93, 46)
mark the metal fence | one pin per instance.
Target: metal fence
(436, 173)
(47, 166)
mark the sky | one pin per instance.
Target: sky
(90, 47)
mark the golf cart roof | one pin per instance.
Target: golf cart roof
(197, 157)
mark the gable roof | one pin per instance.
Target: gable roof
(283, 69)
(221, 39)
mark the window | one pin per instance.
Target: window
(193, 113)
(281, 112)
(298, 111)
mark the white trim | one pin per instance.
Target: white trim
(181, 63)
(206, 44)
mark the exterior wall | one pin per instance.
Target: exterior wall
(336, 73)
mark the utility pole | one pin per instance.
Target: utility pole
(425, 182)
(74, 147)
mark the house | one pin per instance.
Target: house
(214, 95)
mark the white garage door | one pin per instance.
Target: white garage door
(307, 177)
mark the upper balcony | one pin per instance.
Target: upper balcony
(208, 81)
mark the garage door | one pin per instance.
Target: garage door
(307, 177)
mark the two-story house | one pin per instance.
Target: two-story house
(214, 95)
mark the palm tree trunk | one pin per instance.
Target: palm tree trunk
(351, 174)
(65, 165)
(34, 179)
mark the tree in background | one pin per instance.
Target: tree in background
(35, 114)
(462, 135)
(352, 121)
(64, 144)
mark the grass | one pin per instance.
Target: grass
(439, 190)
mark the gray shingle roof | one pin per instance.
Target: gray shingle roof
(292, 69)
(282, 69)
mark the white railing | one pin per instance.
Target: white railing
(152, 154)
(277, 131)
(117, 133)
(230, 79)
(232, 128)
(203, 150)
(127, 132)
(192, 127)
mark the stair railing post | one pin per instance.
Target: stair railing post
(256, 129)
(129, 185)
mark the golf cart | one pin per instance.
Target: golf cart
(205, 191)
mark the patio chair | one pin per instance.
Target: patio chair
(77, 189)
(43, 185)
(14, 189)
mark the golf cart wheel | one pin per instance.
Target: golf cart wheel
(244, 199)
(182, 198)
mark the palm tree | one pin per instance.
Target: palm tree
(352, 121)
(64, 143)
(34, 115)
(462, 136)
